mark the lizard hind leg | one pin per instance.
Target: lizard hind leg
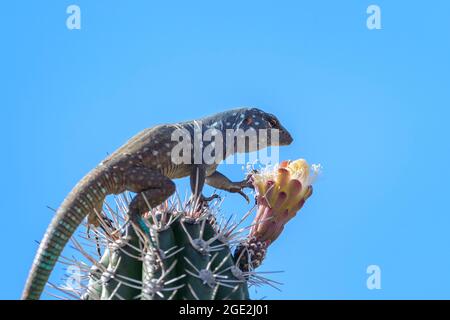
(149, 183)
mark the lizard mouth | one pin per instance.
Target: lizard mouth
(285, 137)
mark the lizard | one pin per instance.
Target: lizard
(144, 165)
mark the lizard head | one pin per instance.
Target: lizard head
(264, 126)
(262, 121)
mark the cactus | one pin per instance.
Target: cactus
(181, 250)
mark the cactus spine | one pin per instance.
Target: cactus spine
(170, 255)
(187, 251)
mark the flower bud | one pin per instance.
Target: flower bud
(281, 192)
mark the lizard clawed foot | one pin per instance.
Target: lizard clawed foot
(246, 183)
(239, 190)
(210, 198)
(97, 240)
(202, 201)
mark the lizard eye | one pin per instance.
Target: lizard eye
(273, 123)
(248, 120)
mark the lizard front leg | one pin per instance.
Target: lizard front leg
(197, 181)
(219, 181)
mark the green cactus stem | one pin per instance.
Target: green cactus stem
(167, 254)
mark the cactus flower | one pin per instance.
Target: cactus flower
(281, 193)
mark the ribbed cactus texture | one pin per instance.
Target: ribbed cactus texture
(171, 255)
(184, 250)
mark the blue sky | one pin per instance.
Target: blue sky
(372, 106)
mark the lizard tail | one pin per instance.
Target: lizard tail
(84, 199)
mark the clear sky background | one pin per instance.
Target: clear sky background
(372, 106)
